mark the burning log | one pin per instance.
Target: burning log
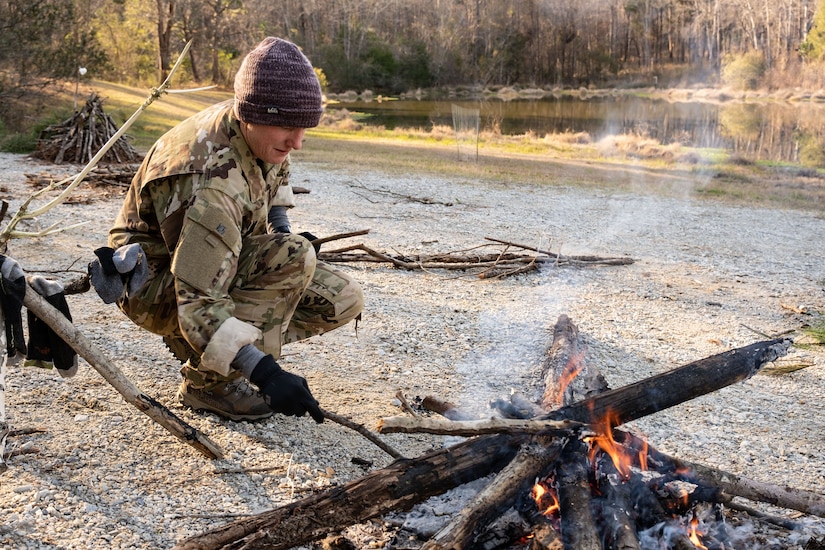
(614, 508)
(578, 530)
(399, 486)
(730, 483)
(567, 377)
(671, 388)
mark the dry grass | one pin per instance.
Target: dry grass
(564, 159)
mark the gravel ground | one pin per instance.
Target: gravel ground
(707, 278)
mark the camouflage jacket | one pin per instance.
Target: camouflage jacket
(200, 170)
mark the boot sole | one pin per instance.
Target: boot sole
(197, 405)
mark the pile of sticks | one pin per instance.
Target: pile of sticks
(78, 139)
(536, 441)
(503, 262)
(115, 175)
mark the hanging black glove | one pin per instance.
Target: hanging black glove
(12, 291)
(284, 392)
(45, 347)
(113, 269)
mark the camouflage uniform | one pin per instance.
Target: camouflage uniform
(218, 280)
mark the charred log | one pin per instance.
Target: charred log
(671, 388)
(397, 487)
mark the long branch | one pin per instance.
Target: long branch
(47, 313)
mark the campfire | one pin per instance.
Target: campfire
(563, 473)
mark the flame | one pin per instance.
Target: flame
(694, 535)
(603, 441)
(545, 498)
(642, 455)
(571, 371)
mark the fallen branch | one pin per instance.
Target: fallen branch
(344, 421)
(38, 305)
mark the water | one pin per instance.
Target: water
(767, 130)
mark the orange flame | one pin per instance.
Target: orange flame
(571, 371)
(603, 441)
(694, 535)
(643, 456)
(545, 498)
(622, 457)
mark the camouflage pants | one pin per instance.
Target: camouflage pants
(274, 289)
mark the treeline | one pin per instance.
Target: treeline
(392, 46)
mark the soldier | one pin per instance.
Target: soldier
(202, 252)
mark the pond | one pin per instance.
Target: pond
(781, 131)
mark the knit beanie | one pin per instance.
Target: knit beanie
(277, 86)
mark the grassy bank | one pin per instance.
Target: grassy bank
(620, 163)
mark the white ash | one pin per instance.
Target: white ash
(707, 278)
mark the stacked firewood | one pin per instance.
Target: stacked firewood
(78, 138)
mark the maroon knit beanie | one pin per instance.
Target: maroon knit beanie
(276, 86)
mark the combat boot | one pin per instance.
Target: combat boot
(233, 398)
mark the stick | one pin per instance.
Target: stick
(344, 421)
(469, 428)
(153, 409)
(4, 427)
(444, 408)
(339, 236)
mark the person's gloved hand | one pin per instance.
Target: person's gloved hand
(310, 237)
(114, 268)
(284, 392)
(12, 291)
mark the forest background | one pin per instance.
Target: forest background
(393, 47)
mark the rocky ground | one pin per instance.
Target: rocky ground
(706, 278)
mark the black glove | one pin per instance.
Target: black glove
(113, 269)
(12, 290)
(46, 348)
(285, 393)
(310, 237)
